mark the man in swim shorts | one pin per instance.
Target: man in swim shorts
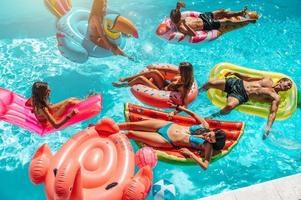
(246, 88)
(217, 20)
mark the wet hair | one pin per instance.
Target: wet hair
(175, 16)
(220, 139)
(285, 79)
(40, 95)
(186, 72)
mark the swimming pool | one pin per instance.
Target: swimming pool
(28, 53)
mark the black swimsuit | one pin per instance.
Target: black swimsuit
(235, 88)
(209, 22)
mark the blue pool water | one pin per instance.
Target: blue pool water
(28, 53)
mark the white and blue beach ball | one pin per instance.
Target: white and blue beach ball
(164, 190)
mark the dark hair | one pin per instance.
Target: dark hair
(285, 79)
(220, 139)
(186, 72)
(200, 131)
(175, 16)
(39, 95)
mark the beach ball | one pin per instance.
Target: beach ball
(164, 190)
(146, 156)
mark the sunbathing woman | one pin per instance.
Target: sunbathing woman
(152, 78)
(220, 20)
(46, 113)
(164, 134)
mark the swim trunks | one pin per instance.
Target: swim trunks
(235, 88)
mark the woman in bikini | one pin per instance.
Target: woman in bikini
(152, 78)
(163, 134)
(46, 113)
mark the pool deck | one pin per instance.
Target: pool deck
(286, 188)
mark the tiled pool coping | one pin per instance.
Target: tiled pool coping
(286, 188)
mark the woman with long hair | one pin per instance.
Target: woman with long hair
(153, 78)
(164, 134)
(46, 113)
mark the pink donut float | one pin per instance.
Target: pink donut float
(173, 35)
(161, 98)
(95, 164)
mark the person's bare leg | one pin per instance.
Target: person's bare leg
(235, 22)
(222, 13)
(232, 103)
(216, 84)
(225, 29)
(60, 108)
(139, 80)
(150, 138)
(143, 81)
(151, 125)
(155, 75)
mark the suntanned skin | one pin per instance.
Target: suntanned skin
(146, 132)
(96, 32)
(261, 89)
(53, 114)
(228, 21)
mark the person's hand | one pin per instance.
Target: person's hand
(170, 115)
(230, 74)
(181, 4)
(206, 125)
(74, 112)
(185, 152)
(266, 133)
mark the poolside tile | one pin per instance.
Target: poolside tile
(287, 188)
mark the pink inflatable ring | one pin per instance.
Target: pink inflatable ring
(161, 98)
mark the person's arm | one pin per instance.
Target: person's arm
(96, 22)
(198, 119)
(28, 103)
(272, 115)
(55, 123)
(180, 5)
(244, 77)
(96, 18)
(203, 164)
